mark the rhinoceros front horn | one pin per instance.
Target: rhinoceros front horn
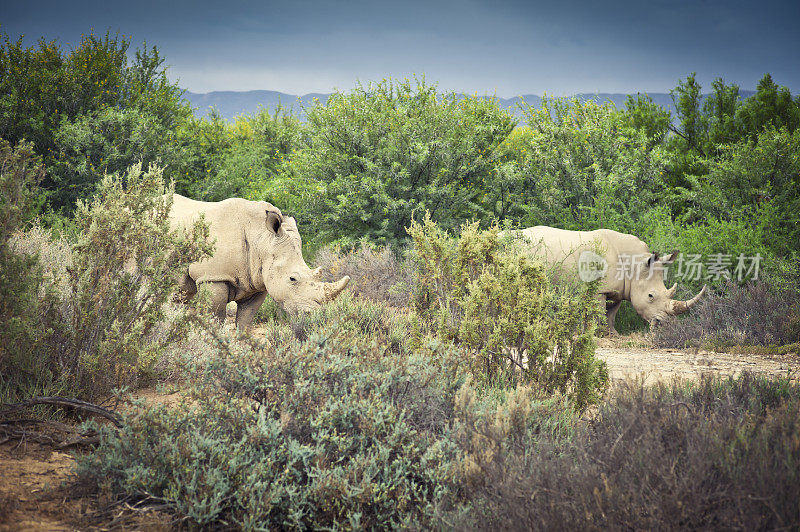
(679, 307)
(333, 289)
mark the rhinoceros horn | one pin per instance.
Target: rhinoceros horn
(671, 291)
(679, 307)
(333, 289)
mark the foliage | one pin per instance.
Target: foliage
(332, 432)
(45, 91)
(377, 274)
(583, 166)
(756, 180)
(105, 142)
(757, 313)
(21, 304)
(385, 151)
(722, 453)
(339, 432)
(105, 325)
(243, 159)
(125, 263)
(517, 324)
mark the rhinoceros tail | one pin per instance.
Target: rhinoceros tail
(679, 307)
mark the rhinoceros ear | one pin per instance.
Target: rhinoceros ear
(652, 260)
(274, 221)
(671, 258)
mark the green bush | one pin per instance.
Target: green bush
(337, 431)
(489, 295)
(580, 165)
(94, 91)
(384, 151)
(246, 158)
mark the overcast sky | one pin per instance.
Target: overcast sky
(505, 47)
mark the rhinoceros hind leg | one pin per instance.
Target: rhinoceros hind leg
(246, 310)
(219, 298)
(187, 288)
(611, 316)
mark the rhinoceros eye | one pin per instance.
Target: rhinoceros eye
(293, 279)
(651, 296)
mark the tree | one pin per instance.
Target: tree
(686, 98)
(387, 152)
(46, 93)
(771, 105)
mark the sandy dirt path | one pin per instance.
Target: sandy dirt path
(665, 364)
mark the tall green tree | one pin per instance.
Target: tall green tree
(387, 152)
(48, 94)
(770, 106)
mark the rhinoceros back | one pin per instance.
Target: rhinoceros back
(560, 247)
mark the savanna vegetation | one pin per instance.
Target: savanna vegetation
(451, 387)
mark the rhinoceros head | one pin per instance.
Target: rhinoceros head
(651, 298)
(287, 277)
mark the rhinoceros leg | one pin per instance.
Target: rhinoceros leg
(219, 298)
(611, 315)
(186, 288)
(246, 310)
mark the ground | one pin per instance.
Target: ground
(631, 356)
(35, 481)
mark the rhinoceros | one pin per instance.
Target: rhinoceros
(626, 267)
(257, 252)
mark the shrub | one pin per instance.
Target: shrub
(756, 313)
(79, 107)
(99, 316)
(25, 305)
(721, 454)
(337, 431)
(375, 273)
(384, 151)
(124, 267)
(489, 295)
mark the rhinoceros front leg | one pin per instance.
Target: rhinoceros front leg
(246, 310)
(611, 316)
(219, 298)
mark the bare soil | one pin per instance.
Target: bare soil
(631, 357)
(37, 485)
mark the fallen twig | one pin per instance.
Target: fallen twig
(64, 401)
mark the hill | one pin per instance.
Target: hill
(230, 104)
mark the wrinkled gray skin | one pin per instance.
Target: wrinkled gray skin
(645, 290)
(257, 252)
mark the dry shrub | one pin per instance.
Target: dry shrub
(54, 254)
(337, 431)
(376, 273)
(720, 455)
(95, 314)
(756, 313)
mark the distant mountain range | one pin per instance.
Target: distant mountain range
(230, 104)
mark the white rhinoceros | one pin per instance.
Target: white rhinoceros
(257, 252)
(627, 269)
